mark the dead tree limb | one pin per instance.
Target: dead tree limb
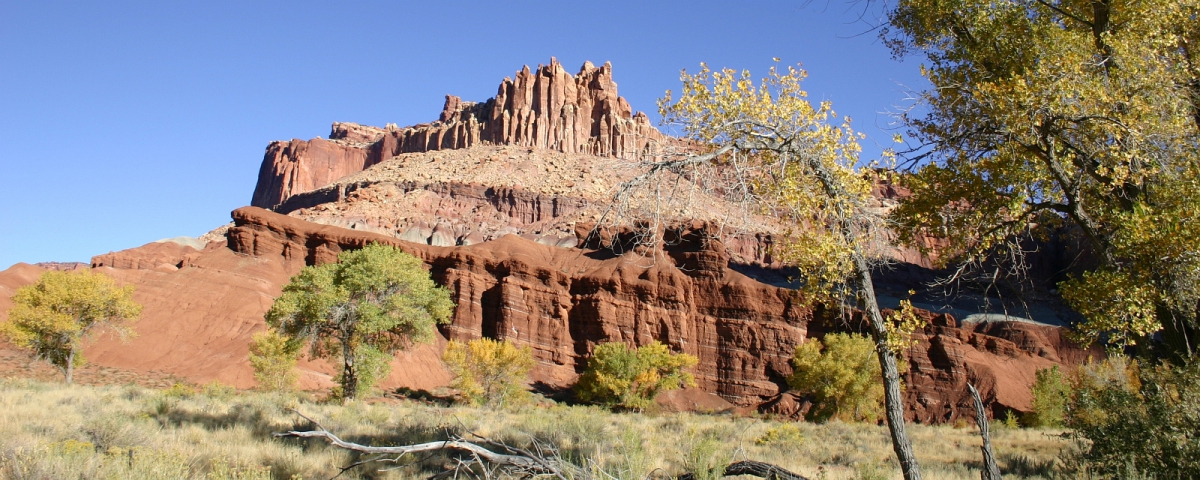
(752, 468)
(990, 470)
(518, 460)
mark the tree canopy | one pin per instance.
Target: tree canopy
(53, 317)
(371, 303)
(842, 375)
(1080, 113)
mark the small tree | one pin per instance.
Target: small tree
(371, 303)
(274, 357)
(631, 378)
(842, 375)
(53, 317)
(489, 372)
(1050, 394)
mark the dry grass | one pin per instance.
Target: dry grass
(53, 431)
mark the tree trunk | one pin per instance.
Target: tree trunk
(349, 373)
(69, 370)
(990, 470)
(893, 402)
(1179, 336)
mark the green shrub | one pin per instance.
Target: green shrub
(490, 372)
(620, 376)
(1137, 420)
(273, 357)
(218, 391)
(1051, 391)
(787, 434)
(842, 375)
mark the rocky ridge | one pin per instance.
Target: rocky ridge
(544, 108)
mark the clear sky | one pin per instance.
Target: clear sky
(128, 122)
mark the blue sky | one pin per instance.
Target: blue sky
(124, 123)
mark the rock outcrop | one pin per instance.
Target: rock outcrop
(558, 301)
(543, 108)
(562, 302)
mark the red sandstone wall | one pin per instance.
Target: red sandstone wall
(543, 108)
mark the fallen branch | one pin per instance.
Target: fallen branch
(517, 459)
(752, 468)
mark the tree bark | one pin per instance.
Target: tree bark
(349, 372)
(990, 470)
(69, 369)
(893, 401)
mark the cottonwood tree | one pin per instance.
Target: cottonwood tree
(371, 303)
(763, 145)
(490, 372)
(55, 316)
(1083, 113)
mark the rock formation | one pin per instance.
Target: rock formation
(560, 302)
(544, 108)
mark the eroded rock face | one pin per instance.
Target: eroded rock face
(297, 166)
(543, 108)
(558, 301)
(562, 302)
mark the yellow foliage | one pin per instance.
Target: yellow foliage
(273, 357)
(800, 167)
(490, 372)
(842, 375)
(900, 326)
(1052, 112)
(54, 316)
(621, 376)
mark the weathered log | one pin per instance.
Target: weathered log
(517, 459)
(752, 468)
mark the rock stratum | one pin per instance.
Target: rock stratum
(544, 108)
(202, 306)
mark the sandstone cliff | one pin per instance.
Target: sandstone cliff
(205, 304)
(544, 108)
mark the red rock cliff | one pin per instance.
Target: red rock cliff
(544, 108)
(563, 301)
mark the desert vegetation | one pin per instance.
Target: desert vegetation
(55, 316)
(626, 377)
(370, 303)
(214, 432)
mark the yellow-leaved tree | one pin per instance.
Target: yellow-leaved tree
(841, 374)
(490, 372)
(53, 317)
(622, 376)
(273, 358)
(794, 161)
(1076, 113)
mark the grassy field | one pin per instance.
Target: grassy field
(50, 431)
